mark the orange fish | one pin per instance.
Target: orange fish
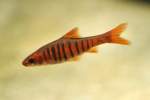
(70, 46)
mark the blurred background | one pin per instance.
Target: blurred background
(116, 72)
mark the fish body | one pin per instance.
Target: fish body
(70, 46)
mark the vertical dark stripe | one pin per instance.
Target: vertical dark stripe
(92, 42)
(77, 47)
(82, 45)
(44, 55)
(88, 45)
(40, 59)
(49, 56)
(64, 52)
(58, 50)
(54, 53)
(71, 51)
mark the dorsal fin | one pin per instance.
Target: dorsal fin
(72, 34)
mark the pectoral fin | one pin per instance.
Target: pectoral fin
(76, 58)
(93, 50)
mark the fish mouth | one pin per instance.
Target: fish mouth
(25, 63)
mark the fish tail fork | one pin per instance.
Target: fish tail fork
(114, 35)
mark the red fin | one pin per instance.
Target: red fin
(72, 34)
(115, 33)
(93, 50)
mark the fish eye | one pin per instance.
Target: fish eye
(32, 61)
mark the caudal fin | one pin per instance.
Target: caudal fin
(114, 35)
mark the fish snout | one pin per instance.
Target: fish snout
(25, 63)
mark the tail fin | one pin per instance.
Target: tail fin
(114, 35)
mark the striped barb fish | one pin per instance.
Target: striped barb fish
(70, 46)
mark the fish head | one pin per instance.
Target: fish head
(33, 59)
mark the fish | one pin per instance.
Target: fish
(71, 46)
